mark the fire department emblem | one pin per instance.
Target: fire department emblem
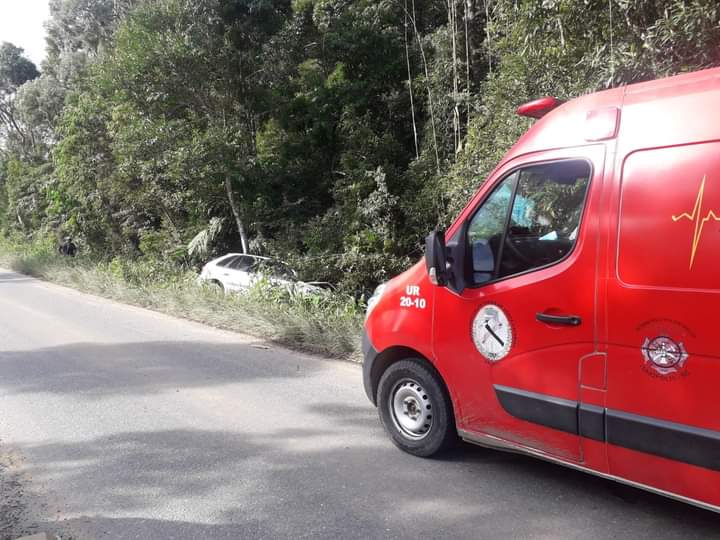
(492, 333)
(664, 355)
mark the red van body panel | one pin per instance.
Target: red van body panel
(663, 281)
(396, 325)
(629, 390)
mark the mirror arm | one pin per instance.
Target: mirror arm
(433, 275)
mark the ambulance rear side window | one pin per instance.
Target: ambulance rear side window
(530, 220)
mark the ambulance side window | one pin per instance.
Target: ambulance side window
(531, 220)
(486, 230)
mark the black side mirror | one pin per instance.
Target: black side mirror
(435, 258)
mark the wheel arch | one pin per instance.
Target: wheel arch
(394, 354)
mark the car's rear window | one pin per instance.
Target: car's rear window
(227, 261)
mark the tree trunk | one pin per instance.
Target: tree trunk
(452, 22)
(8, 118)
(236, 214)
(19, 218)
(410, 88)
(413, 20)
(468, 62)
(487, 35)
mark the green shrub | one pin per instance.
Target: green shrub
(327, 323)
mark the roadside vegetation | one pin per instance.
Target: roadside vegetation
(327, 324)
(330, 134)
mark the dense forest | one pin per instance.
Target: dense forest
(333, 134)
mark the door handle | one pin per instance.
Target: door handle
(567, 320)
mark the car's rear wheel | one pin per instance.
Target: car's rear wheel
(217, 286)
(415, 409)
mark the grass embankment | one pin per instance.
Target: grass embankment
(329, 325)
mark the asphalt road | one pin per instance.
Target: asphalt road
(123, 423)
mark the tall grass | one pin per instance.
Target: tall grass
(328, 324)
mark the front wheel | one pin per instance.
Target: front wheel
(415, 409)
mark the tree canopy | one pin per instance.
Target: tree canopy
(330, 133)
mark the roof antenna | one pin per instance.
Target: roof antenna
(612, 49)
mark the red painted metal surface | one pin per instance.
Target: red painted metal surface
(602, 124)
(645, 266)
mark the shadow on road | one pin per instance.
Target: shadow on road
(300, 483)
(87, 370)
(299, 461)
(12, 277)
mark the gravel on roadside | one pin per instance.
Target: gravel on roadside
(14, 517)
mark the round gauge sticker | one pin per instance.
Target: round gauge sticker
(492, 333)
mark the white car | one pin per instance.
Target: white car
(237, 272)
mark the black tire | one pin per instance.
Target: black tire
(406, 388)
(217, 286)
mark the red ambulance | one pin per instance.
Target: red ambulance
(571, 311)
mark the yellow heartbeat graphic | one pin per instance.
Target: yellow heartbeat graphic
(699, 222)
